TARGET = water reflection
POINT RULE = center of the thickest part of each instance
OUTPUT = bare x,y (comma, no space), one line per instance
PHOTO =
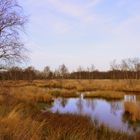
115,106
79,105
131,113
115,114
63,102
131,124
130,98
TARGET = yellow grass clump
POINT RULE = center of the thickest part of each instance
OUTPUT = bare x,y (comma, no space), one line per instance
31,93
63,93
105,94
133,108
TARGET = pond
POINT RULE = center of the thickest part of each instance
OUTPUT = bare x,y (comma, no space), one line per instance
114,114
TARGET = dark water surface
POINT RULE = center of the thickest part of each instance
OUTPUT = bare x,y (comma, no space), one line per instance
110,113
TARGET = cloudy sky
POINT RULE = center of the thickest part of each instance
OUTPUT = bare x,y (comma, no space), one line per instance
81,32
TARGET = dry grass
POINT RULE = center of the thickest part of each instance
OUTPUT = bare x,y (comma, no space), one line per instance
75,127
30,93
37,94
133,109
105,95
63,93
65,84
21,119
16,119
14,126
82,85
91,85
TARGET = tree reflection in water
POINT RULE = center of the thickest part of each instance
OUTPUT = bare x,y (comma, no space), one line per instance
127,118
90,103
115,106
115,114
63,102
79,105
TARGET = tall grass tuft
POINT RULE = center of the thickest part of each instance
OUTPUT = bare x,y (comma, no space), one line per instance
133,109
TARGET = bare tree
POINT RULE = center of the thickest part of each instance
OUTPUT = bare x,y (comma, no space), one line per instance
92,69
130,67
12,22
114,67
136,66
47,72
89,71
30,73
63,71
125,68
79,70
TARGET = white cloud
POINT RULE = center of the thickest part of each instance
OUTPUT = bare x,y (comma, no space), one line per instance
74,9
61,16
93,3
67,8
80,11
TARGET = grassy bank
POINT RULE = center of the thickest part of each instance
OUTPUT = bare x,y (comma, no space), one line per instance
109,95
91,85
62,93
82,85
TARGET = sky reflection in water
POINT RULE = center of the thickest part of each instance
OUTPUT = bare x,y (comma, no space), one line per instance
108,112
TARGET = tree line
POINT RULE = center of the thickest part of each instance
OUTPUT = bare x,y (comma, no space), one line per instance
126,69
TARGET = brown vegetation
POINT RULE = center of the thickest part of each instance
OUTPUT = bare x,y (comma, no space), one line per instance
30,93
91,85
63,93
23,120
109,95
79,85
133,110
21,116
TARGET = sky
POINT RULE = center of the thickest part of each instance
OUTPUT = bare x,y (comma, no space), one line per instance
81,32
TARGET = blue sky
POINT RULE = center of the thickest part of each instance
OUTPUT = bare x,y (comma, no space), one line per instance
81,32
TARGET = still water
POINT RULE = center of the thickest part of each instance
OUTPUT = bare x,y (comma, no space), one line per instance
110,113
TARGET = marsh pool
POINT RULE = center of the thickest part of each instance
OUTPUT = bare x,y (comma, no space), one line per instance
110,113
